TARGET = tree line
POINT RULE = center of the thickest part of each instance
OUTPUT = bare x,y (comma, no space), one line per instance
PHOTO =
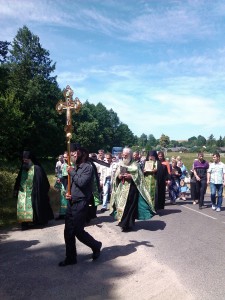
28,95
193,144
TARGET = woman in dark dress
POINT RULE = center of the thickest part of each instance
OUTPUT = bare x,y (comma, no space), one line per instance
156,180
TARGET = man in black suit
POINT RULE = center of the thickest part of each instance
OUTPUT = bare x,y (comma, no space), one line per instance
77,208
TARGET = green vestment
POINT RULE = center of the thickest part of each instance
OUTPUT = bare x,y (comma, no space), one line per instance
120,191
150,179
63,201
24,203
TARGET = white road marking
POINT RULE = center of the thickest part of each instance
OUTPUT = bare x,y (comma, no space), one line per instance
199,212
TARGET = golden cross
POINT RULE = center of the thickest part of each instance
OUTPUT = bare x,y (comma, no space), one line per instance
69,106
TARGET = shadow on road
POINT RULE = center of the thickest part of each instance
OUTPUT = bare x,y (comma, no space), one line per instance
165,212
151,225
112,252
32,267
101,219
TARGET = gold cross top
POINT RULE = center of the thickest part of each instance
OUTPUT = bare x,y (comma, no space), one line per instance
69,105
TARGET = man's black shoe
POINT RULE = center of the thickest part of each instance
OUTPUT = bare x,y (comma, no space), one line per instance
67,262
96,253
104,209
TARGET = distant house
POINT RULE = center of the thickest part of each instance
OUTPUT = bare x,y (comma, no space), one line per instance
182,141
221,149
178,149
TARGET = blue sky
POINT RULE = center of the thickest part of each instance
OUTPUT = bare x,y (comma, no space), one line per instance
159,64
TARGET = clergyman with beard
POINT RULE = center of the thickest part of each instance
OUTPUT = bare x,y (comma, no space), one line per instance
82,176
31,189
130,197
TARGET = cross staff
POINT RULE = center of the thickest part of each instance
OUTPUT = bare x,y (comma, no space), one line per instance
69,106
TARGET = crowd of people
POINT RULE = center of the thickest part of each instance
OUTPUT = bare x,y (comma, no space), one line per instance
130,186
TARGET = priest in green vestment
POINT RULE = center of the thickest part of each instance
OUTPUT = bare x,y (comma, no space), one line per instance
130,197
31,189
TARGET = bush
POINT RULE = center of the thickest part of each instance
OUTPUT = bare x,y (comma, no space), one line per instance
7,202
7,181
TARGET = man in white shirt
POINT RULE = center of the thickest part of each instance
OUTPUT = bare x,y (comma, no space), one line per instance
216,179
105,181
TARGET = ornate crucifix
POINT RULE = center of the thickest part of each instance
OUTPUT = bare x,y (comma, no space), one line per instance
69,106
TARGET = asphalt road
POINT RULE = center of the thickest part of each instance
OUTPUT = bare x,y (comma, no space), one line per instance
192,243
179,254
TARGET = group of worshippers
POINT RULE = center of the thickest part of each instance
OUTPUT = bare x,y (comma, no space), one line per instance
136,193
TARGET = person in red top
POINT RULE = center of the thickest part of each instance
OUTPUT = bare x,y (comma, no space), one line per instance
166,163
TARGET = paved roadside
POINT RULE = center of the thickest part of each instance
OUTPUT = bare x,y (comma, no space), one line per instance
126,269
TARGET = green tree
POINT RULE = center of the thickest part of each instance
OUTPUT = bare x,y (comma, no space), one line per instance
88,135
220,142
15,126
152,140
4,71
28,60
201,141
192,141
96,127
174,144
126,135
105,118
4,49
164,141
143,140
31,84
211,141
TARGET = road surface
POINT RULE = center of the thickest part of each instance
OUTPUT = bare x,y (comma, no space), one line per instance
179,254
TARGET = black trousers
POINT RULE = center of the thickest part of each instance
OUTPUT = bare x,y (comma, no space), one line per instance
201,187
194,194
75,219
131,208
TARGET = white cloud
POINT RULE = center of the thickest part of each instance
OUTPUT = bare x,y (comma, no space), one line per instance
36,11
174,23
159,66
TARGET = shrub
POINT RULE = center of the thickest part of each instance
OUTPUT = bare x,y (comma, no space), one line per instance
7,181
7,202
